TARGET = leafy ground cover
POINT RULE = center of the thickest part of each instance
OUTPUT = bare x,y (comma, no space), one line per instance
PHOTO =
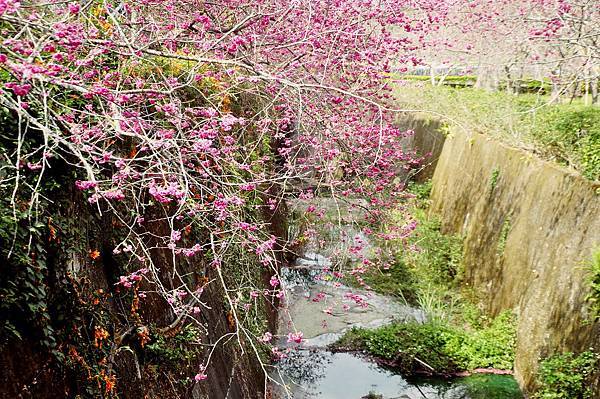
566,375
437,347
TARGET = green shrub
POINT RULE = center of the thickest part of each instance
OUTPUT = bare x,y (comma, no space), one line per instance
571,134
438,255
421,191
566,375
494,345
400,344
435,262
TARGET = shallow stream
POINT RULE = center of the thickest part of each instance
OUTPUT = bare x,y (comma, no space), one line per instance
323,310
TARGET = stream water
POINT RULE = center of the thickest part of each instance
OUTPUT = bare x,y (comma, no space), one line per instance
323,310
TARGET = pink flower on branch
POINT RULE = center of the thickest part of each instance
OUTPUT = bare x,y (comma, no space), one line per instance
296,337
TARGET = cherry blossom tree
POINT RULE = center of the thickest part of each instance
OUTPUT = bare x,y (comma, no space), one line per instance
188,120
510,40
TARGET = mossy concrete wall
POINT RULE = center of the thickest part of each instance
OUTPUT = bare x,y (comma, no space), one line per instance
530,227
426,140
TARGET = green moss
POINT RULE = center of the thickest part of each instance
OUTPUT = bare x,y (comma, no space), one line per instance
593,297
494,179
506,226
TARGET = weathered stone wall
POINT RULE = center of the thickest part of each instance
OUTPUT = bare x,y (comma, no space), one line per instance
529,227
426,140
73,280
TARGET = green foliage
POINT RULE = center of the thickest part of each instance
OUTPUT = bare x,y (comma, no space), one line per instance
421,191
25,293
413,274
438,256
23,249
440,345
182,347
566,375
571,134
451,80
506,226
493,345
594,282
457,336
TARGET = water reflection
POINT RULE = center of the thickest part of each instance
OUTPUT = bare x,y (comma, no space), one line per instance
325,375
312,374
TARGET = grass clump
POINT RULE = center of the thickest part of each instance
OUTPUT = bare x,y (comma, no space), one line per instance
566,375
430,261
437,348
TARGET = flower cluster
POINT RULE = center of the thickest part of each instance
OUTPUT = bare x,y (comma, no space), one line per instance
129,280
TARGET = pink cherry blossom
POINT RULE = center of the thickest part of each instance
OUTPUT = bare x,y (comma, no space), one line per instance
296,337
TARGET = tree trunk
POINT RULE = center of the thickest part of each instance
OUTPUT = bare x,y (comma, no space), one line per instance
594,82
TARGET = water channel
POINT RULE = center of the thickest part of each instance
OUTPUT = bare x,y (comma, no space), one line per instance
323,309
